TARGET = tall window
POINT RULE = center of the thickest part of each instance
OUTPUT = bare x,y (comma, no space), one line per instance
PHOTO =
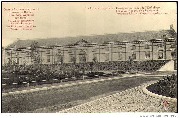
146,46
48,58
106,56
70,51
9,61
48,51
94,58
119,47
160,54
119,56
147,54
107,48
27,53
94,50
82,56
172,45
72,58
160,45
133,47
60,58
8,53
59,51
17,53
17,60
134,55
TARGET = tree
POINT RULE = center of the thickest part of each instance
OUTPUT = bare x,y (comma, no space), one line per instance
94,60
35,55
73,59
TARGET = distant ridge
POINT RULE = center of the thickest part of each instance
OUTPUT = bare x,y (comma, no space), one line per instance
147,35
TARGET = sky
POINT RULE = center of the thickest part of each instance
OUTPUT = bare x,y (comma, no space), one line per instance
64,19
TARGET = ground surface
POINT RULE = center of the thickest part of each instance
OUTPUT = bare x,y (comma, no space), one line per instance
55,100
132,100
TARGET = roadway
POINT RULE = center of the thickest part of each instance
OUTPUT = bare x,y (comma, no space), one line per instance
69,94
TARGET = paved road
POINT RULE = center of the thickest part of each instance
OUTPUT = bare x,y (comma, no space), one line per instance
130,100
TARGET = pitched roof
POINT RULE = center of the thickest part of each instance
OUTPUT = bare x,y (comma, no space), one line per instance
147,35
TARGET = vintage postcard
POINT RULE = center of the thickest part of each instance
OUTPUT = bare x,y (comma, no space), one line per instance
89,57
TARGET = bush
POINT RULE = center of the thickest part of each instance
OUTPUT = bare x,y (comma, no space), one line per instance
166,87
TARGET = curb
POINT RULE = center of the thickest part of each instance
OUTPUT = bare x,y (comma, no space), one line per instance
71,84
141,87
146,91
59,86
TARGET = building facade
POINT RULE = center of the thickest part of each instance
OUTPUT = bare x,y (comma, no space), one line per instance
83,52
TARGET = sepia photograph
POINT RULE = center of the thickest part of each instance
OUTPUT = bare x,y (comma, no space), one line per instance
89,57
